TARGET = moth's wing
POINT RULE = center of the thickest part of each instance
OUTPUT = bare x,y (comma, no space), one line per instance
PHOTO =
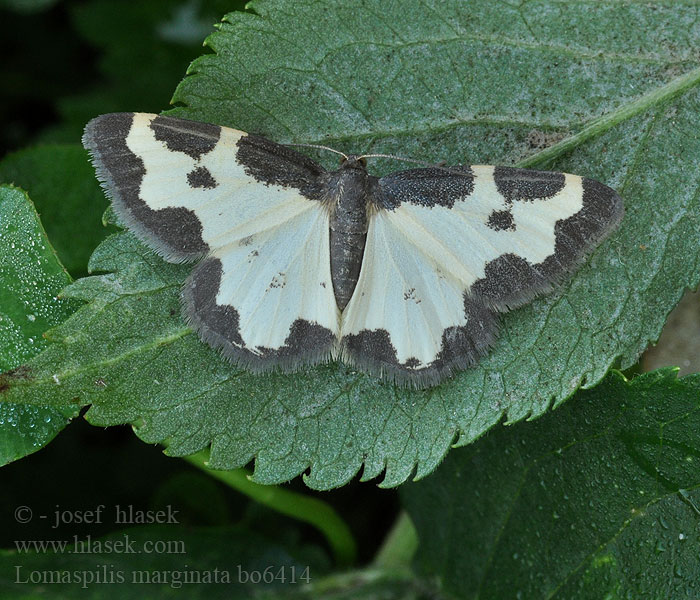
408,320
510,233
179,185
266,299
263,294
453,246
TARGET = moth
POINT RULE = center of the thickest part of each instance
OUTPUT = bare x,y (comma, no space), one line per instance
400,276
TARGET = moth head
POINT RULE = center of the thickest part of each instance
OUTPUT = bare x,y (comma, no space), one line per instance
353,161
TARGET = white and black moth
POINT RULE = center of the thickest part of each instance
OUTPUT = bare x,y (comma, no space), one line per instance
400,276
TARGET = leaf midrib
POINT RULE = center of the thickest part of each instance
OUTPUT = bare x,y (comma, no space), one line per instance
595,127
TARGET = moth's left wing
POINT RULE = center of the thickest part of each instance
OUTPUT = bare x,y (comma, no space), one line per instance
254,209
447,247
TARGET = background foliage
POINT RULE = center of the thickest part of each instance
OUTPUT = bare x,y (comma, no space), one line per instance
608,90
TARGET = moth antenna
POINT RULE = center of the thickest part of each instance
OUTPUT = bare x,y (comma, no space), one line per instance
395,157
318,146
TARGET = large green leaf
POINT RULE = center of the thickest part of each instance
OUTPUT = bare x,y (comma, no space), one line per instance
478,82
30,278
597,500
67,196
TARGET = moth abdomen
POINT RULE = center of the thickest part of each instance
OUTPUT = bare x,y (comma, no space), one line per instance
348,229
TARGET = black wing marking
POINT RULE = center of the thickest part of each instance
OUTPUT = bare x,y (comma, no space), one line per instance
434,186
511,280
126,148
174,232
494,197
274,164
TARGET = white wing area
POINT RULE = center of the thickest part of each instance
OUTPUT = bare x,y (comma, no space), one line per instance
420,260
459,239
277,275
237,198
273,244
403,291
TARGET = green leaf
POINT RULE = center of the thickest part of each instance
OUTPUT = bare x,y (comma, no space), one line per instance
62,184
31,277
478,82
597,500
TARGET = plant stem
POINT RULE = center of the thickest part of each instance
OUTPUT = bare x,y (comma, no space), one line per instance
341,582
399,545
313,511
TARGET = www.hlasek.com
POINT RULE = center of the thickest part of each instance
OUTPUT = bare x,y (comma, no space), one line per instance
88,545
175,578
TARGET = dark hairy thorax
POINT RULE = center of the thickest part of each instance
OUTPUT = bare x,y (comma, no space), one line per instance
349,191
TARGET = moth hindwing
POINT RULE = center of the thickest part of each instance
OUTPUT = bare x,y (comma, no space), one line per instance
401,276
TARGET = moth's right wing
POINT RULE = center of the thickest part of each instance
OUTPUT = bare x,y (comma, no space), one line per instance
253,208
449,247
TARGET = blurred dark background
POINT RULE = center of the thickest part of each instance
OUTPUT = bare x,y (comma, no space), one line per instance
65,61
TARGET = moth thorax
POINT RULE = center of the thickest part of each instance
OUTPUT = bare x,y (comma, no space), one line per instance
348,231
